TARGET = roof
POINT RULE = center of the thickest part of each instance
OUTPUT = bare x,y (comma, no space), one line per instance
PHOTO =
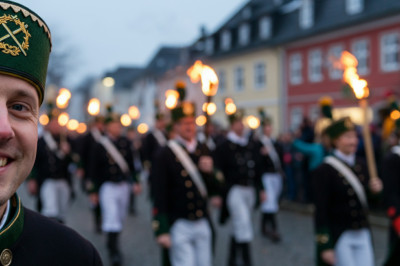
328,16
166,58
124,76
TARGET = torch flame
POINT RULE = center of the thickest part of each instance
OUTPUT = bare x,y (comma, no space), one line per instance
360,86
207,75
94,106
171,99
230,107
63,98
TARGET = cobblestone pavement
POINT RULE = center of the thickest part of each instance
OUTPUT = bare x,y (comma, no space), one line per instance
139,248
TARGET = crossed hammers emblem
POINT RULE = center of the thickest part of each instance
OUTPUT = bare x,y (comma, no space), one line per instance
12,35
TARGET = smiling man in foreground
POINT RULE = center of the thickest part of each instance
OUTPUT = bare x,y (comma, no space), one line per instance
27,238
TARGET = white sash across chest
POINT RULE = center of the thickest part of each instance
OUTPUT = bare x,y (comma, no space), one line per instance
349,175
189,166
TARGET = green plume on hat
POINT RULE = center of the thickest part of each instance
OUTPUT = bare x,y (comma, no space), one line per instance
325,104
183,108
25,45
264,119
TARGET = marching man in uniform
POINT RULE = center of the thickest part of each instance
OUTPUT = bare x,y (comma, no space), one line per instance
391,180
238,159
184,179
271,168
50,170
112,172
342,188
87,142
153,141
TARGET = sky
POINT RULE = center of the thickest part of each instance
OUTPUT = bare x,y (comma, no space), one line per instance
102,35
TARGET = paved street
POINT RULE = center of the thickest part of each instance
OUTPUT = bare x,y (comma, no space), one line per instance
140,249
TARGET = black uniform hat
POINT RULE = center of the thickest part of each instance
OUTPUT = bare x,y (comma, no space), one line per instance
111,116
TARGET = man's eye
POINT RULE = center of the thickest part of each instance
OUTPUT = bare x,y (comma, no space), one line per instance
18,107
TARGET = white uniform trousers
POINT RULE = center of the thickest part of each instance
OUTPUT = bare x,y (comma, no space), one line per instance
114,200
191,243
240,203
55,195
354,248
273,187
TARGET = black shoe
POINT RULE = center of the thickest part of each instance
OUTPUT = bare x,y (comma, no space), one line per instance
116,259
276,237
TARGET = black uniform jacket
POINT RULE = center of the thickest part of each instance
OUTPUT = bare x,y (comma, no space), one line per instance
240,165
175,194
29,238
266,163
391,186
337,206
49,165
150,147
103,167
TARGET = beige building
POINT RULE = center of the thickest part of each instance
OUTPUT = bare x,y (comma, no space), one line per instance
253,81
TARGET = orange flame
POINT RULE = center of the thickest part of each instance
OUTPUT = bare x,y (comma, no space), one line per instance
94,106
230,107
349,64
207,75
171,99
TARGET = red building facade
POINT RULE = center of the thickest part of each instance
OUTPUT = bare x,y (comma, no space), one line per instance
310,72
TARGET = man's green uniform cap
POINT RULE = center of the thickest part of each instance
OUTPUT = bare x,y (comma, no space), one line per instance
25,45
339,127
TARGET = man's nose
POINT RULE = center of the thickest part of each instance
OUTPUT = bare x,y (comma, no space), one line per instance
6,131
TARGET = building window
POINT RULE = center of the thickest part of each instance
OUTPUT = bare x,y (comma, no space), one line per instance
334,54
260,76
226,39
239,79
390,52
265,28
209,45
296,117
246,13
295,67
314,113
360,49
244,34
354,6
315,65
307,14
221,81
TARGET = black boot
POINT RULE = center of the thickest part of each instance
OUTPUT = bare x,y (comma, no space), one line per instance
232,259
245,250
275,236
112,246
97,218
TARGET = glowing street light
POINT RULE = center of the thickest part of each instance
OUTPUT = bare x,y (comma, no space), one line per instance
108,82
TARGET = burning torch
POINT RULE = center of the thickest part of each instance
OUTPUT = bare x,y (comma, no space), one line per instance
209,85
361,91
